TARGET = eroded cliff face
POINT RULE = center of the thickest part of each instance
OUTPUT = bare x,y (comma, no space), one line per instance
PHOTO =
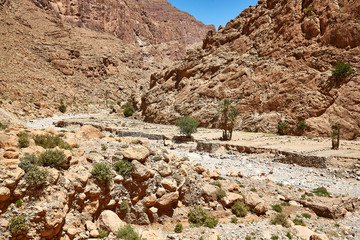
275,62
159,28
88,55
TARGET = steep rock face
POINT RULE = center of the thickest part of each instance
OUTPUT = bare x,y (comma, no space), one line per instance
274,61
156,26
89,55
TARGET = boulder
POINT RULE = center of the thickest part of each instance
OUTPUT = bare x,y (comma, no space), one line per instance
149,201
209,192
318,237
110,221
253,199
303,232
230,199
88,131
11,155
4,193
151,234
260,208
140,172
8,141
139,153
168,199
169,183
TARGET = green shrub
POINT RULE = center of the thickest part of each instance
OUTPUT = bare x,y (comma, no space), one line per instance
274,237
277,208
123,167
301,125
23,140
129,109
280,219
298,221
282,128
253,189
103,233
50,141
178,228
18,203
240,209
341,70
19,224
52,158
28,161
285,204
234,220
128,233
211,222
102,172
288,235
62,108
308,10
321,192
36,177
187,125
125,206
2,126
306,215
221,194
216,183
103,147
197,215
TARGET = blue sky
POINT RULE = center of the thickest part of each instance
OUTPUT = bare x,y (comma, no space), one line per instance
217,12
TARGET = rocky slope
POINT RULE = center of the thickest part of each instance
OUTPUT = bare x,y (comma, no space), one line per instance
153,189
275,62
53,53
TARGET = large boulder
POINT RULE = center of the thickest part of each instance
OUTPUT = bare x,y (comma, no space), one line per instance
169,183
253,199
303,232
139,153
8,141
4,193
110,221
140,172
230,199
151,234
168,199
88,131
209,192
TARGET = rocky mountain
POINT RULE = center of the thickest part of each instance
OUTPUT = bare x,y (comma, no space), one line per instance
87,55
275,62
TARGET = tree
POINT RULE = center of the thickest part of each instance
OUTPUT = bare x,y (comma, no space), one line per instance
341,70
228,115
187,125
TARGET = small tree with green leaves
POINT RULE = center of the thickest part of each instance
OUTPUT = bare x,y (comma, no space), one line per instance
342,70
227,118
129,109
187,125
24,140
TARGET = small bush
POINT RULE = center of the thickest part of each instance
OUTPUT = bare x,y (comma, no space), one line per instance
211,222
239,209
301,125
288,235
125,206
52,158
36,177
221,194
282,128
62,108
277,208
18,203
123,167
178,228
23,140
187,125
216,183
341,70
129,109
280,219
28,161
128,233
321,192
285,204
306,215
103,233
50,141
101,172
103,147
19,224
197,216
274,237
253,189
298,221
2,126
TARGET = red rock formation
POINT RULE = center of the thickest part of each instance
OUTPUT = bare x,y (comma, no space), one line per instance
156,25
274,61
